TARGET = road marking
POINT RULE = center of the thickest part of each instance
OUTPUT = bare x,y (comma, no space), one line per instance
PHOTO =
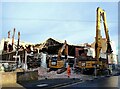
63,86
42,85
68,85
90,79
59,85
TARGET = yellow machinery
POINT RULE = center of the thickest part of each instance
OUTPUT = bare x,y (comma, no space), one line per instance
97,62
101,13
59,61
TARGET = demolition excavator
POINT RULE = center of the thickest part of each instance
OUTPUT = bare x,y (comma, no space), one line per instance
58,61
101,64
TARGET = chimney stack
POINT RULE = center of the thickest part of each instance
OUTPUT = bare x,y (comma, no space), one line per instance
18,39
13,37
8,34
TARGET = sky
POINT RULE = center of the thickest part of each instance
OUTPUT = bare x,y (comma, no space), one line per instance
71,21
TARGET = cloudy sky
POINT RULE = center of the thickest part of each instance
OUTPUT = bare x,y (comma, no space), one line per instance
71,21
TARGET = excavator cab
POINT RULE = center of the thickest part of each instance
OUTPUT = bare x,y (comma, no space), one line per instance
55,63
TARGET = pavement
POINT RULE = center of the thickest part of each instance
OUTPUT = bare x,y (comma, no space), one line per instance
12,85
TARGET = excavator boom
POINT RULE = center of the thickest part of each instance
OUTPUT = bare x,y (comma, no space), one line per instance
64,47
98,46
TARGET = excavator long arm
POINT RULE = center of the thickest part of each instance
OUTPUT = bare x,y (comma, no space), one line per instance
64,47
109,49
98,46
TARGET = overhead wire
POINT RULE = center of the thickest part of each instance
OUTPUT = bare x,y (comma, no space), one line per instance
56,20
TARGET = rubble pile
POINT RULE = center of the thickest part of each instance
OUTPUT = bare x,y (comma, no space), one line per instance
42,72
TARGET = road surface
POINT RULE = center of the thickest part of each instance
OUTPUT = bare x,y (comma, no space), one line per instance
112,82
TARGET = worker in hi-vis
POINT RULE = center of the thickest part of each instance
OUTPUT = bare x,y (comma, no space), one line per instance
68,71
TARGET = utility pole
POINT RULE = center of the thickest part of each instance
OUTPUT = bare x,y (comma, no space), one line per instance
18,62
